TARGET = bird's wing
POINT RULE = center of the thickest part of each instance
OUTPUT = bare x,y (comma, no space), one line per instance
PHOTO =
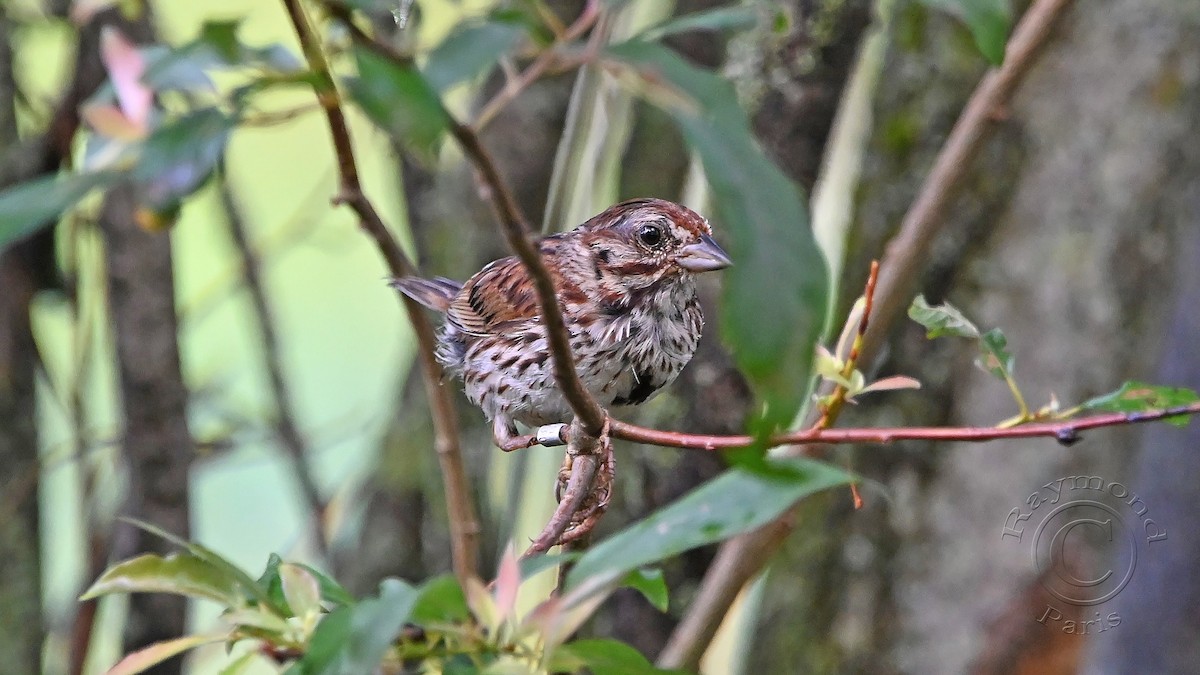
499,299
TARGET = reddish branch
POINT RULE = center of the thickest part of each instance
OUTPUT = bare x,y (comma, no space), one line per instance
464,526
1066,432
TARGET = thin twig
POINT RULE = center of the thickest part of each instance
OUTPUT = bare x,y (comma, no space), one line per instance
290,437
906,253
464,524
831,410
539,66
516,232
740,559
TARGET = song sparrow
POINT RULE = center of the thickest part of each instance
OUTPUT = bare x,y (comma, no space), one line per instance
625,285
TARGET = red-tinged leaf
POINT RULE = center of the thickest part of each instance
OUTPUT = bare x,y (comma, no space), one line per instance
108,121
125,67
508,583
144,659
891,384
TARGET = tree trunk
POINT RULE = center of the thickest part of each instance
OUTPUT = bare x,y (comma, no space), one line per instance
156,443
21,629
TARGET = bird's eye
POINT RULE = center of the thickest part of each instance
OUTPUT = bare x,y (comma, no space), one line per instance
650,235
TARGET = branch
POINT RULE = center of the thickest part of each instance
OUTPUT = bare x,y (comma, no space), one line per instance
906,253
512,88
289,431
516,232
1066,433
583,456
464,525
833,408
740,559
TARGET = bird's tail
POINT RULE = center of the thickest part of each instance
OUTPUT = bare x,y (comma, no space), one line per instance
435,293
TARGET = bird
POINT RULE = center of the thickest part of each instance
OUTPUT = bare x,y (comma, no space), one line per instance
625,283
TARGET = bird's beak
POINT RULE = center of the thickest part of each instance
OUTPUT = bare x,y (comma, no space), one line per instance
703,256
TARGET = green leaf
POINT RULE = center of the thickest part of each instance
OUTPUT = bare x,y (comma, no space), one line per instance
946,320
144,659
941,320
178,69
736,17
179,573
186,67
359,637
603,657
531,567
995,357
650,583
988,20
399,100
326,644
271,584
737,501
469,51
331,591
774,296
1135,397
222,35
180,156
244,581
28,207
440,600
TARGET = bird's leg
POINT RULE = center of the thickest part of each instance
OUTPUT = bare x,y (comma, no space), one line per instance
504,434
